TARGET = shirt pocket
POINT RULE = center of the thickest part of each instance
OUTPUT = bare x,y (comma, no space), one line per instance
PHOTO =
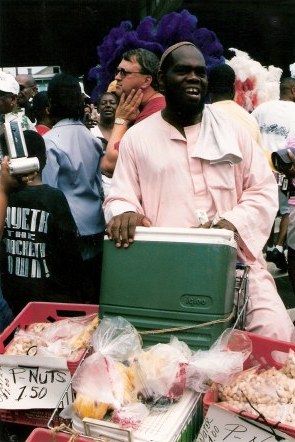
220,176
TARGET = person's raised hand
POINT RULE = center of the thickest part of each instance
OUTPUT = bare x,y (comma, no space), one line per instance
7,182
121,228
128,107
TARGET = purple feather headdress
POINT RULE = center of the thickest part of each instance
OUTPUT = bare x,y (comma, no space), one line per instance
156,37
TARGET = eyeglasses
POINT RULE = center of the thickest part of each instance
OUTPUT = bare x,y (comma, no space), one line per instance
123,73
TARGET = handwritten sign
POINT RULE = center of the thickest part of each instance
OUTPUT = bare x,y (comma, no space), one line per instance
221,425
32,382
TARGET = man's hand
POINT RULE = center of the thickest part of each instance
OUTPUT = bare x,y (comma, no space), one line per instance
121,228
128,108
224,224
7,182
219,224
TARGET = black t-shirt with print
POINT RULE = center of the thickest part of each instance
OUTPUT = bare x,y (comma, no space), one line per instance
42,258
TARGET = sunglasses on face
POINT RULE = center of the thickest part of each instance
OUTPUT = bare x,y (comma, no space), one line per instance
123,73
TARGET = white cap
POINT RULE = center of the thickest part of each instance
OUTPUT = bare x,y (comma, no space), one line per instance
8,83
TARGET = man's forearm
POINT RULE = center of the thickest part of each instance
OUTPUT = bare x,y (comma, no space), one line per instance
3,207
109,160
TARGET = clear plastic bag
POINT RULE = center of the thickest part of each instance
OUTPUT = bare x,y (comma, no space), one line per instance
130,416
103,383
76,331
160,372
24,343
102,379
220,363
116,338
68,337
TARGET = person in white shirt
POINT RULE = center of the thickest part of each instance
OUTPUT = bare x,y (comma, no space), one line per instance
276,119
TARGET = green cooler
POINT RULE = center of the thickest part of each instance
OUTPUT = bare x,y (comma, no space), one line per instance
171,278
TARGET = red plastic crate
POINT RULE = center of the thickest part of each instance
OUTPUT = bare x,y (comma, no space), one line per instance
35,417
263,355
40,312
42,435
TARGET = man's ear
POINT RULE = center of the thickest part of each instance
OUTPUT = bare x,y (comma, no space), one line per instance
147,82
14,100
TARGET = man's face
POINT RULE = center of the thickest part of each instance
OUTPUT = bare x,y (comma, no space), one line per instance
185,82
129,77
7,102
26,90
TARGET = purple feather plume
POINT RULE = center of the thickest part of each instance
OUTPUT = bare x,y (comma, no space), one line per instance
156,37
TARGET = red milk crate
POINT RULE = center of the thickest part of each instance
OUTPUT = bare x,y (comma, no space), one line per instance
263,354
40,312
43,435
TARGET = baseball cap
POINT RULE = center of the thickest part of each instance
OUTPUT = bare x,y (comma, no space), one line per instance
8,83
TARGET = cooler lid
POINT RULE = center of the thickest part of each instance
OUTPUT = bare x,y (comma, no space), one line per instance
186,235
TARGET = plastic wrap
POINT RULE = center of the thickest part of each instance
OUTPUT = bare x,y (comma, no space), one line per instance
116,338
220,363
160,372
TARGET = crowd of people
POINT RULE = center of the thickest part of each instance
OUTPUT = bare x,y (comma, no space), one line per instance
165,140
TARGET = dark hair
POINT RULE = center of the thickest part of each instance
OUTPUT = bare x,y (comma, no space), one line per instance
36,146
65,97
115,96
221,79
148,61
286,83
39,103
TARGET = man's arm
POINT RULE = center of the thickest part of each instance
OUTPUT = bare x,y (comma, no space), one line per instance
257,195
7,184
51,169
122,207
3,197
127,111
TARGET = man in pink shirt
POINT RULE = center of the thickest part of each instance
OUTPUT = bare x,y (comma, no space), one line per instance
190,157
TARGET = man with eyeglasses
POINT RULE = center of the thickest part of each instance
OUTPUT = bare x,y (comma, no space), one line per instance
137,87
27,89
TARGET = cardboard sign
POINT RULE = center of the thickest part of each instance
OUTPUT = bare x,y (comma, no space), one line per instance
32,382
221,425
